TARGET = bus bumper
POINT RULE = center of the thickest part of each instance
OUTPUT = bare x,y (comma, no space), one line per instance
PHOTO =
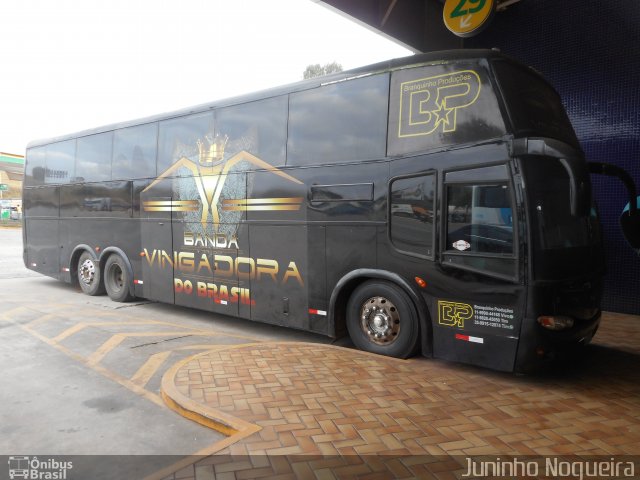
540,347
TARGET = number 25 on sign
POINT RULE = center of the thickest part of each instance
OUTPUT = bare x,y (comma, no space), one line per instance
466,18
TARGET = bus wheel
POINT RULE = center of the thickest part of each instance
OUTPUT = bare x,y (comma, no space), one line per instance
381,319
116,279
89,275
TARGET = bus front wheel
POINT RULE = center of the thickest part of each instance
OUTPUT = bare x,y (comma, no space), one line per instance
89,275
381,319
116,279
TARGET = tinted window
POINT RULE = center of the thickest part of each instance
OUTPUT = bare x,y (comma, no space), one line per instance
178,139
440,105
35,166
93,158
339,122
259,128
549,191
60,162
134,152
535,108
41,202
479,219
412,213
109,199
563,243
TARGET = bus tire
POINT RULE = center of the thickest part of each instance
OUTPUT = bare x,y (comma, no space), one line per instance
89,275
116,279
382,319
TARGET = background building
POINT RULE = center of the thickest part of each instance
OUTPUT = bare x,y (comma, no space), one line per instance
11,174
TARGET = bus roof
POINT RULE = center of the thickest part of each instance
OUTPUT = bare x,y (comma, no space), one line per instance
446,56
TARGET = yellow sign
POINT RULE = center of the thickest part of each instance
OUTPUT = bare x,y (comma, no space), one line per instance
466,18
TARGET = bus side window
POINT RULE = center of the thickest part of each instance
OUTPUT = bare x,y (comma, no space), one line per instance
60,162
134,152
35,166
93,158
339,122
412,201
178,139
259,128
479,218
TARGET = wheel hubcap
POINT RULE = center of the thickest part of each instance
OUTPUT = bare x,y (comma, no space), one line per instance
87,272
379,320
117,277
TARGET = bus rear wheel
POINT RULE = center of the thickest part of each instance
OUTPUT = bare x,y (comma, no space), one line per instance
381,319
89,275
116,279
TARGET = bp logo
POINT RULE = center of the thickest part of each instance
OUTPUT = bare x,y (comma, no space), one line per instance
431,105
454,314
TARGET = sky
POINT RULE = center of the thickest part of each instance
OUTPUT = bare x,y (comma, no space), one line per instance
70,65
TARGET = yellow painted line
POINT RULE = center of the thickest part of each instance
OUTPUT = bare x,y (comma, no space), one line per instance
43,319
149,368
125,382
236,428
82,325
203,414
7,315
155,361
118,338
105,348
70,331
240,428
210,347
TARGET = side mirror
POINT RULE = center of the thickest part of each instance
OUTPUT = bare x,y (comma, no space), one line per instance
630,224
580,190
630,218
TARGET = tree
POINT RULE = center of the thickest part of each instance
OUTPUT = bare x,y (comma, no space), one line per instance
318,70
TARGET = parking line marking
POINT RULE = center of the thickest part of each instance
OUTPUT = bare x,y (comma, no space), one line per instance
44,318
105,348
6,315
149,368
242,429
82,325
155,361
125,382
117,339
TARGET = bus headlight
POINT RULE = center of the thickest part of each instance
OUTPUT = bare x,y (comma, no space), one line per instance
555,322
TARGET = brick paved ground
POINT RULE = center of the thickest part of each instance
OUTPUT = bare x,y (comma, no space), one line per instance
354,415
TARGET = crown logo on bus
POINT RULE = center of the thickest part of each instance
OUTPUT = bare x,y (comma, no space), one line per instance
212,152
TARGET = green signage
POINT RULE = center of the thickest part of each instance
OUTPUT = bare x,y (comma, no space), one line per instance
466,18
4,187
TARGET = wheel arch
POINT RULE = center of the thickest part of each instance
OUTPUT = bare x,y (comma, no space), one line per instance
349,282
107,252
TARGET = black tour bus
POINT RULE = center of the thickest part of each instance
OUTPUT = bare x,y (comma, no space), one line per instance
438,203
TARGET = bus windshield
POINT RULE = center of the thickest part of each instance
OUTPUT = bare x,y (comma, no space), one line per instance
561,239
534,107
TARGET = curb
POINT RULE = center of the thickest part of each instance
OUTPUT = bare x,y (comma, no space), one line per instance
234,428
